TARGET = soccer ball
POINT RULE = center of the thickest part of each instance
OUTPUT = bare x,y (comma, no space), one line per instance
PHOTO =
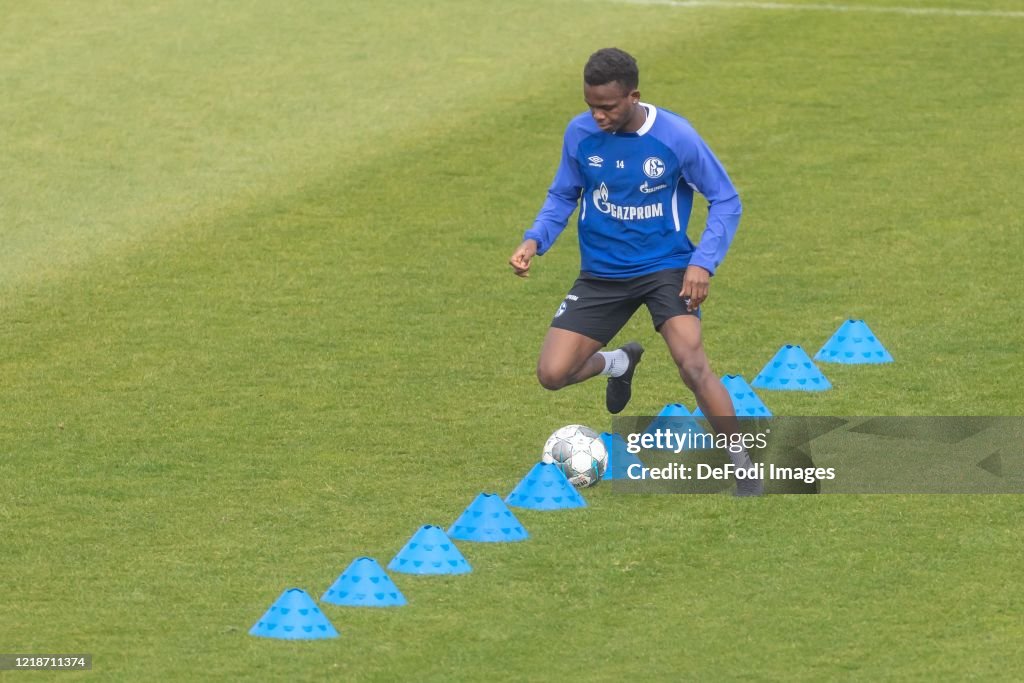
579,453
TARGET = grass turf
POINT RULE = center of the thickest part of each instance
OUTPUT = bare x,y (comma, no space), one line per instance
256,322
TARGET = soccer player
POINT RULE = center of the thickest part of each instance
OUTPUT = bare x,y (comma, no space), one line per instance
632,169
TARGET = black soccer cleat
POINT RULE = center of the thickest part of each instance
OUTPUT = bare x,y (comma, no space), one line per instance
620,389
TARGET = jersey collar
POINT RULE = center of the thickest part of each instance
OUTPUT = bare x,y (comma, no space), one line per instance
652,113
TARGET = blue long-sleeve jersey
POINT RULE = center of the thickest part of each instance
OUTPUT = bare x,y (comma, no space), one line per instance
635,193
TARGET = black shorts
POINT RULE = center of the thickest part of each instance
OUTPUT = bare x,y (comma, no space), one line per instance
599,307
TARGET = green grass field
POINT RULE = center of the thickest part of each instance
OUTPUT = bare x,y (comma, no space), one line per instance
256,321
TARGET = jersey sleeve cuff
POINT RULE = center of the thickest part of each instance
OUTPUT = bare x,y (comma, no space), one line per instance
703,263
532,234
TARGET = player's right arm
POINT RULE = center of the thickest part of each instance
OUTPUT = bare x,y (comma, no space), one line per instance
561,201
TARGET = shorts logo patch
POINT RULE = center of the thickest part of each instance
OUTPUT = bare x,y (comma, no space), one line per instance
561,309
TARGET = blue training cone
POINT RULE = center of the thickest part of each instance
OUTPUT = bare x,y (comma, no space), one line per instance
853,342
488,519
364,584
745,402
294,616
619,459
430,551
675,418
545,487
791,370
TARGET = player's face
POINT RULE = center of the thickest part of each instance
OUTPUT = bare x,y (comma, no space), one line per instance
611,105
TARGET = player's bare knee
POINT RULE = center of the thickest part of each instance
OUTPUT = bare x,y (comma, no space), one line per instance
550,379
692,373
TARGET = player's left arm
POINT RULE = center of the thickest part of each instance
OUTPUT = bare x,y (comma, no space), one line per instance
705,173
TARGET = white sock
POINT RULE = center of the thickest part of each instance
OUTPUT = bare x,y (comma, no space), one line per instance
615,362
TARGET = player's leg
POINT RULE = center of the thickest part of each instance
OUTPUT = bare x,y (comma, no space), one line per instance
588,318
567,358
681,330
682,334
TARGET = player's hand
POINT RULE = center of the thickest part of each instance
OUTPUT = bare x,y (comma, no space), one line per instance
522,256
696,281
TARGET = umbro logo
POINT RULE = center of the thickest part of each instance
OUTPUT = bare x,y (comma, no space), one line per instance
595,161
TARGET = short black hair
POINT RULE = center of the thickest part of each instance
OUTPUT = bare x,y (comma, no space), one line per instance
611,64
